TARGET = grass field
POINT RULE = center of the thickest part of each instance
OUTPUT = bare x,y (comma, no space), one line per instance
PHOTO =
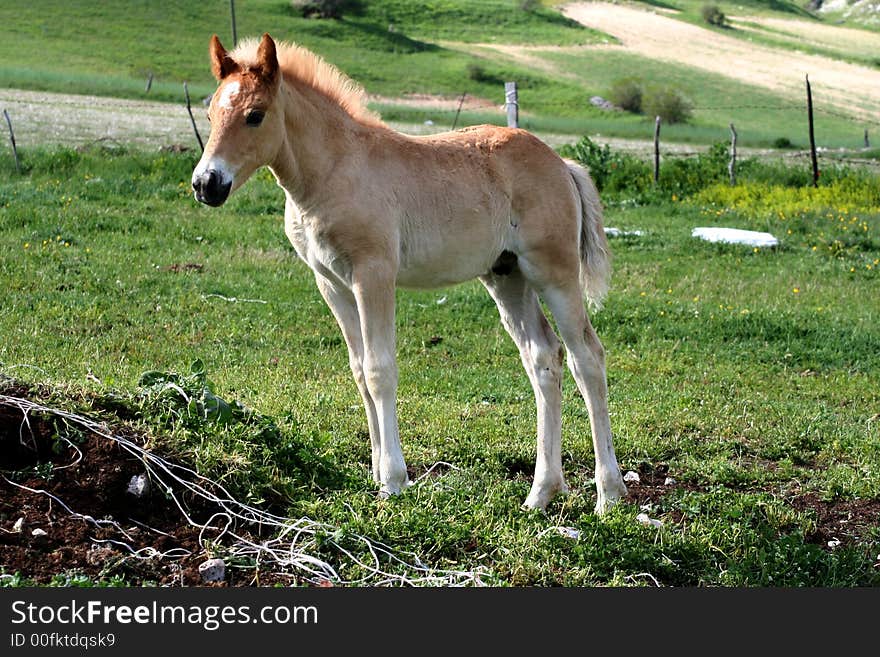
749,377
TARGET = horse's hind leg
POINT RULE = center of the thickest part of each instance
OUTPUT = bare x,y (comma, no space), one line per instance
541,354
344,308
586,360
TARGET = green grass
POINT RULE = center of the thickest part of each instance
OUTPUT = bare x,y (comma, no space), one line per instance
111,48
749,393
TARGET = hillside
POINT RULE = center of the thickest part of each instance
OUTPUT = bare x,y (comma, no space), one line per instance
416,59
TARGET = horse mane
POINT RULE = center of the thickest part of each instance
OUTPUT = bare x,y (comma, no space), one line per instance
310,69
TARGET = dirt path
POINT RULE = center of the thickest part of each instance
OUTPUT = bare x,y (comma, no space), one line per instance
847,87
41,117
44,118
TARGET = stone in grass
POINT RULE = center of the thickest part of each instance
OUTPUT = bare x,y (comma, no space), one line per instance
735,236
644,519
139,486
631,476
669,481
212,570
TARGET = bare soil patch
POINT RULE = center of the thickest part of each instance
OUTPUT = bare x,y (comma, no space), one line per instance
41,117
105,530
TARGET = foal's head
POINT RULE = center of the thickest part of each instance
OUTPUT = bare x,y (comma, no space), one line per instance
246,121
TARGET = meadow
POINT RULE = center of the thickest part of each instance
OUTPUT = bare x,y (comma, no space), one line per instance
748,376
744,385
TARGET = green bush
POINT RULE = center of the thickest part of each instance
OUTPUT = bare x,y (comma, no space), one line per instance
713,15
782,142
688,175
327,8
613,172
627,94
668,104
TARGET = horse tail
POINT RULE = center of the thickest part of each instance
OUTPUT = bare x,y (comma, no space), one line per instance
595,269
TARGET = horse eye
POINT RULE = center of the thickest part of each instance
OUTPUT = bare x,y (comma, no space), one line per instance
254,118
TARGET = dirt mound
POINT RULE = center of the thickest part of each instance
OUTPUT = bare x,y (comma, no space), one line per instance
66,508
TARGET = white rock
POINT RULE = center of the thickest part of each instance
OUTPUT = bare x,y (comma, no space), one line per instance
19,524
631,476
616,232
139,485
569,532
735,236
833,543
38,532
646,520
212,570
669,481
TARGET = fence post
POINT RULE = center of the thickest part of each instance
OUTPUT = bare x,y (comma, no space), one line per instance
512,103
149,83
812,136
458,111
656,150
12,139
232,16
731,166
867,143
192,120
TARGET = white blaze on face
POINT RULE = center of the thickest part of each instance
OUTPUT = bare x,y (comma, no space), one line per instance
230,91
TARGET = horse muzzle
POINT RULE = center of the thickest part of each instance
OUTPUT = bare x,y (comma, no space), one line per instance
210,188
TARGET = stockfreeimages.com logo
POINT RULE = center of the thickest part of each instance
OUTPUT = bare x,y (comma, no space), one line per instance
209,617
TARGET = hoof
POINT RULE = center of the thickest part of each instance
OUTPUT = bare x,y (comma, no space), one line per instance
388,491
542,494
609,495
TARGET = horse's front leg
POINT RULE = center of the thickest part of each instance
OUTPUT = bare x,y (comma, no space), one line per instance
342,304
373,286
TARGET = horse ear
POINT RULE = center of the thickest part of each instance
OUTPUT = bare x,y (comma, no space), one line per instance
267,59
221,63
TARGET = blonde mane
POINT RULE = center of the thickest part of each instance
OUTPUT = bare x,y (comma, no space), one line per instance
308,68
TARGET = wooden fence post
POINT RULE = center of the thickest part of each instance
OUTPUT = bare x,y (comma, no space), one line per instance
812,136
232,16
192,120
867,143
149,83
458,111
657,150
12,139
731,166
512,104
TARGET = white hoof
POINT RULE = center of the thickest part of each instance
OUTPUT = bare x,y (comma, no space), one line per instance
387,491
609,495
543,493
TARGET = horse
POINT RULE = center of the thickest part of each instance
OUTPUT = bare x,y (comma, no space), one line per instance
370,209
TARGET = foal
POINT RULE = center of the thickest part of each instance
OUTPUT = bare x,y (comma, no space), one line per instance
369,209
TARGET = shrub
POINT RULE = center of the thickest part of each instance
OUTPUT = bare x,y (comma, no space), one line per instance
613,172
713,15
627,93
327,8
668,104
782,142
478,73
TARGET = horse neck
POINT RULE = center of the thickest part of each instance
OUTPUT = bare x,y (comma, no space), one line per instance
320,134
